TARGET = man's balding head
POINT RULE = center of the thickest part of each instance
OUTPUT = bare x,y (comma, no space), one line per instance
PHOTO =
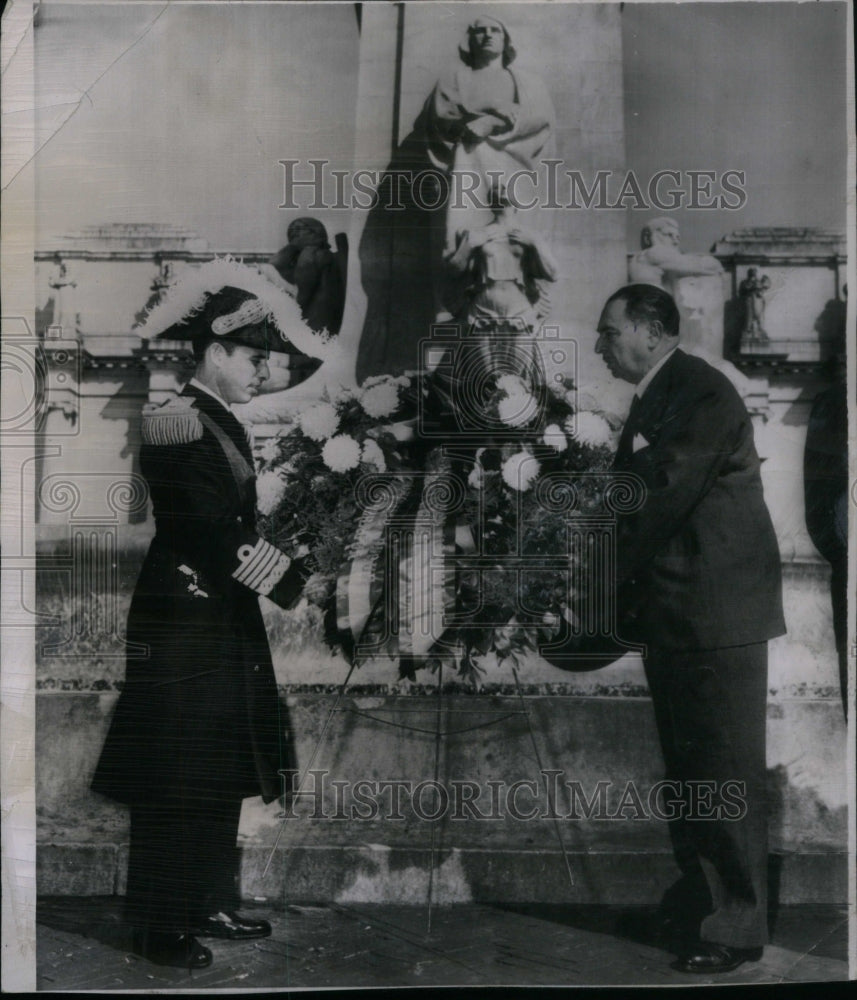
639,325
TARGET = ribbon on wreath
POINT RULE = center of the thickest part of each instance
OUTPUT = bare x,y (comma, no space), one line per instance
394,594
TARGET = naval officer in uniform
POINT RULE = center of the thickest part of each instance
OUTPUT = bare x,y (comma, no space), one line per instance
199,725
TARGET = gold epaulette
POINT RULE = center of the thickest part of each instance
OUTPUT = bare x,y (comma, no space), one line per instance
174,422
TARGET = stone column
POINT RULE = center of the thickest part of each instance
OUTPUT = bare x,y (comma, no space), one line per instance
377,88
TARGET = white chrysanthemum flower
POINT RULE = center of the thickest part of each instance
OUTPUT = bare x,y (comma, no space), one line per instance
516,410
380,400
512,385
372,455
319,422
270,450
270,487
590,429
341,453
554,438
520,470
402,431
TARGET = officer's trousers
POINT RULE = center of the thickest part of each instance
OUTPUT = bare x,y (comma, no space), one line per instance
183,863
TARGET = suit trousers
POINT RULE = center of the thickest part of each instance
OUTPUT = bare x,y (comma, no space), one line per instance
183,863
710,709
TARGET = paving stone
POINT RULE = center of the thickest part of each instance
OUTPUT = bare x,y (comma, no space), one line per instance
82,945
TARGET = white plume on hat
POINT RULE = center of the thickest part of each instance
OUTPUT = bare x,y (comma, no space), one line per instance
187,294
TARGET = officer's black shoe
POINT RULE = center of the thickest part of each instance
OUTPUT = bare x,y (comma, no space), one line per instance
233,927
708,958
180,950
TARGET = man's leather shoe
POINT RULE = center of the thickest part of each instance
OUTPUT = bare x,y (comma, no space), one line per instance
707,958
180,950
233,927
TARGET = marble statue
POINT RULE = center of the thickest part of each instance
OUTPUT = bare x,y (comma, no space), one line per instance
501,271
482,120
661,260
752,292
308,263
485,118
503,267
64,314
163,278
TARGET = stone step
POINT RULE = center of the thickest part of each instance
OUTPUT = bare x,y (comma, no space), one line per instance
375,873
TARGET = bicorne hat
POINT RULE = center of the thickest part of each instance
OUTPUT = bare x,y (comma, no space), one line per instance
225,300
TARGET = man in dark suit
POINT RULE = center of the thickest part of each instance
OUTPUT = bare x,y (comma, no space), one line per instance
199,725
698,581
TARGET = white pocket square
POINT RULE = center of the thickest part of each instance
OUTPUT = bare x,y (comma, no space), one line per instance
638,443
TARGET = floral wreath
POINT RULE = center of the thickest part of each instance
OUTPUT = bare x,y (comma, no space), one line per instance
309,484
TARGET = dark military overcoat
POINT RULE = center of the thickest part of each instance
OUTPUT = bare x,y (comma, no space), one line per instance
199,713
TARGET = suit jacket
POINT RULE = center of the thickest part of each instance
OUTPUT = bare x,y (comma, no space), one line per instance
825,474
698,565
200,712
